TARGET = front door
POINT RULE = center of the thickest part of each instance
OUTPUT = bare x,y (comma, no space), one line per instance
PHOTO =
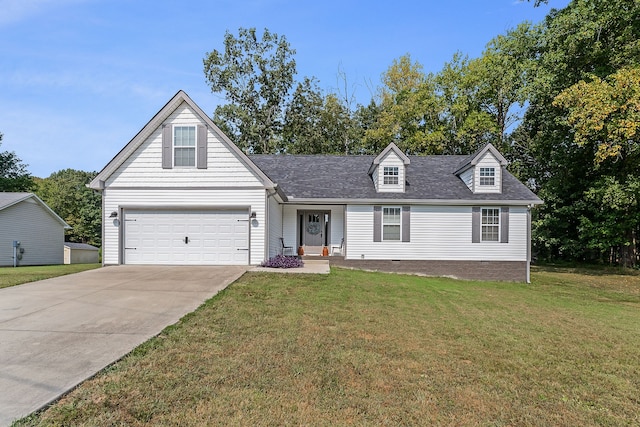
315,228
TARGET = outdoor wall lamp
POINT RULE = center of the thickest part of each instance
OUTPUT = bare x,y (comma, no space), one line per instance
254,215
114,214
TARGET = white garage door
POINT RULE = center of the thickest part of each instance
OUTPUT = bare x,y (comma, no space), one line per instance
181,237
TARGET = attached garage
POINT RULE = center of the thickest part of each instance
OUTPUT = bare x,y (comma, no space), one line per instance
185,237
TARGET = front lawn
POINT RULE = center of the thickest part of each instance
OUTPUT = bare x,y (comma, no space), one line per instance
10,276
360,348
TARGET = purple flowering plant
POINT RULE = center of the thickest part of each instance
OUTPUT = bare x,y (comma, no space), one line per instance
280,261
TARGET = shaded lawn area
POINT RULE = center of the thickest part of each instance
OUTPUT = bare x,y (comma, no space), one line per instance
10,276
383,349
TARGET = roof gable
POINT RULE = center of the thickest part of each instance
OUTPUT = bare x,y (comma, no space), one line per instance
380,157
473,159
9,199
174,103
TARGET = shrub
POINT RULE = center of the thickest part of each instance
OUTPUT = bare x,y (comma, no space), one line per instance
280,261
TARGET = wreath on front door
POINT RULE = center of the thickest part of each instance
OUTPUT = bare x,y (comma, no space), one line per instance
314,228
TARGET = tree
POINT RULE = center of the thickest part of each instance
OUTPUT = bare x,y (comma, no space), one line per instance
66,193
467,126
337,126
13,173
604,115
585,40
410,111
365,118
502,75
256,77
302,133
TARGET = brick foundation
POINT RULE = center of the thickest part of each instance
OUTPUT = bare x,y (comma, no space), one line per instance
509,271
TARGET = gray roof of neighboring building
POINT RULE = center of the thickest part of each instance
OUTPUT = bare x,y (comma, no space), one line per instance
84,246
8,199
346,177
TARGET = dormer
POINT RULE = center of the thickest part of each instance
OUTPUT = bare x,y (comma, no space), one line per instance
389,170
482,171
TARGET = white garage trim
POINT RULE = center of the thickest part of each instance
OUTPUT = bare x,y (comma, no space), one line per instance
185,235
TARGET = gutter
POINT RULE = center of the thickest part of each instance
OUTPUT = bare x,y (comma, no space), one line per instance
436,202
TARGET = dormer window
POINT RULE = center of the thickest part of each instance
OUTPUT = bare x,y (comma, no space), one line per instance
390,175
487,176
388,171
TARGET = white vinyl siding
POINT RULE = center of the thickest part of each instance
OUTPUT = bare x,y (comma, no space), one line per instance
40,234
275,229
143,168
390,162
115,199
467,178
437,233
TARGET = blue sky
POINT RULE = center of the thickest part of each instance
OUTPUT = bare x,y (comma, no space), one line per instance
79,78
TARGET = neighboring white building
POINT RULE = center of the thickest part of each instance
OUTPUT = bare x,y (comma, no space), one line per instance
26,219
180,192
80,253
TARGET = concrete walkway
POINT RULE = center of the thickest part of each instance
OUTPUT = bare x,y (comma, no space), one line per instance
56,333
311,266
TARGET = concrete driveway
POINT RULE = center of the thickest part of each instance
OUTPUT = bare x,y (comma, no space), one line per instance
56,333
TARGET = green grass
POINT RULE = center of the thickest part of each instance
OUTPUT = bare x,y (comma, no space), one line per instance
360,348
10,276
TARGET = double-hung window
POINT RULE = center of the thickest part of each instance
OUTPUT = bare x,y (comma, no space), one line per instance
391,221
490,225
184,146
487,176
390,175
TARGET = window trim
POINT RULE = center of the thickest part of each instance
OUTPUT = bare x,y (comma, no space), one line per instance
487,173
390,173
399,224
498,225
195,146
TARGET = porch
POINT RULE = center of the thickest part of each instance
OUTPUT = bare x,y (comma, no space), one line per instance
312,228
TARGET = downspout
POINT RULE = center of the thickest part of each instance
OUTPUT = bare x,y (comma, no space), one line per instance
528,274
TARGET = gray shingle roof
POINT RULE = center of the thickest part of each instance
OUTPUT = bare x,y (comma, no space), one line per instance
8,199
345,177
84,246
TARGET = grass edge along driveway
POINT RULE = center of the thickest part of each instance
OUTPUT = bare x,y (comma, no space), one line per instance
10,276
367,348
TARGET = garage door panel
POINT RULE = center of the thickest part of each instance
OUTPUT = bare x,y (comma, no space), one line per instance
215,237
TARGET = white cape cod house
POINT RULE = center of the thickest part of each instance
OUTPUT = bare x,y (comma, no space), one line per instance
180,192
